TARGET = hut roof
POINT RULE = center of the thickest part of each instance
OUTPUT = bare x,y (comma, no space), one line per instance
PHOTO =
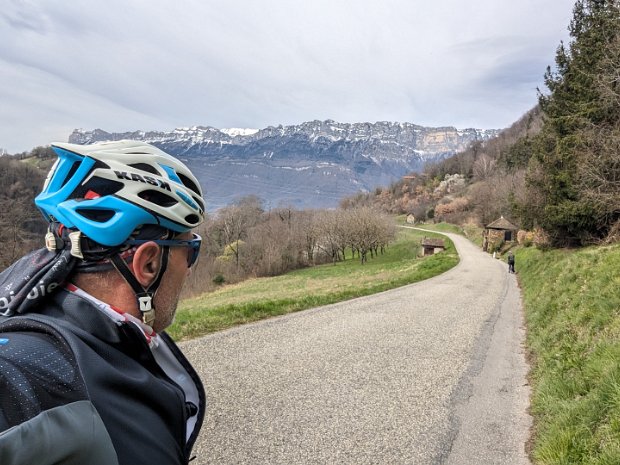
502,223
432,242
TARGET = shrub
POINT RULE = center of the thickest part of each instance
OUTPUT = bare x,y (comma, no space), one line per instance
525,238
495,245
541,238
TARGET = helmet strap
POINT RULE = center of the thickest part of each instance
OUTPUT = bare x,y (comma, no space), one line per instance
144,296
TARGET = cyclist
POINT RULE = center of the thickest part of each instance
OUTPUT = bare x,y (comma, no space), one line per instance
87,372
511,262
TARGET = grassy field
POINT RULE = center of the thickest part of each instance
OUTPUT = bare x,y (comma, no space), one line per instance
320,285
470,231
572,304
441,227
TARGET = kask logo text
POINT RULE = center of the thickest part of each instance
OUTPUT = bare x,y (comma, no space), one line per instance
143,179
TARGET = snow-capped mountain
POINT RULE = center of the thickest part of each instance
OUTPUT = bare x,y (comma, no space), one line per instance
313,164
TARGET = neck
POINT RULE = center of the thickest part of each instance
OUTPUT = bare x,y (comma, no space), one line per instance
109,288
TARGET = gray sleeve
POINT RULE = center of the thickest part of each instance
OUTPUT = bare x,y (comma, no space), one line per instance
71,434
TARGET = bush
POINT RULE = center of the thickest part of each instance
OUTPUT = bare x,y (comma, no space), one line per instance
525,238
495,246
541,239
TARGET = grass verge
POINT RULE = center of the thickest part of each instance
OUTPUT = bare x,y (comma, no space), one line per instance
260,298
572,309
441,227
470,231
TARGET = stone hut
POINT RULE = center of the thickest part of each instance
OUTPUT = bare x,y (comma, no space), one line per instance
500,230
432,245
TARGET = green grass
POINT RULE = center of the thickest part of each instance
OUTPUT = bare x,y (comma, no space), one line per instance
260,298
441,227
35,162
470,231
32,161
572,304
473,233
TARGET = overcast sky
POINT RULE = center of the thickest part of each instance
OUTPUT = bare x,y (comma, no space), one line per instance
123,65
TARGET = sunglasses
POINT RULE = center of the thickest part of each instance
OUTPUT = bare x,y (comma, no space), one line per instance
193,246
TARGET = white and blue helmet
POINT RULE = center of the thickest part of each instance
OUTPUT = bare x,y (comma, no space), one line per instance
107,190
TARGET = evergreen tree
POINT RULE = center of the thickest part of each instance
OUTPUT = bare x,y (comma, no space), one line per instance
575,111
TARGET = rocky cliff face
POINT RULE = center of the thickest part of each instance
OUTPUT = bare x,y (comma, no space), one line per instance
310,165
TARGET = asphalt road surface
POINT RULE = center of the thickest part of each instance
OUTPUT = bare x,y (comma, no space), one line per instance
430,373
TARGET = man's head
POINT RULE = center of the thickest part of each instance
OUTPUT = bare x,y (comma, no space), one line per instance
128,205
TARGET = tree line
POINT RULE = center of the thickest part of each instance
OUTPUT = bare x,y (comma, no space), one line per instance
574,172
245,240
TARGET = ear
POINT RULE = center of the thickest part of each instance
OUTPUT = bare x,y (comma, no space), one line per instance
146,263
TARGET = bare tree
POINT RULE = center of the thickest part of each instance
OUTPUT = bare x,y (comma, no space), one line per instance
308,231
484,166
234,222
329,224
599,173
15,238
370,231
490,199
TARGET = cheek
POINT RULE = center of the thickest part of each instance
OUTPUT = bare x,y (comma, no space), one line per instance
180,266
179,258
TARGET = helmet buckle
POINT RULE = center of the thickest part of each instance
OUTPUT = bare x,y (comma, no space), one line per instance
76,248
50,242
147,310
145,303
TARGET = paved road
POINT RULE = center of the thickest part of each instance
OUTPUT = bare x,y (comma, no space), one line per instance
431,373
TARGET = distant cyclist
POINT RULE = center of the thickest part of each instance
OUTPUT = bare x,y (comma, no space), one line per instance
511,262
87,373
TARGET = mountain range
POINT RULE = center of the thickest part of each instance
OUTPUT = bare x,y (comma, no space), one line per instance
311,165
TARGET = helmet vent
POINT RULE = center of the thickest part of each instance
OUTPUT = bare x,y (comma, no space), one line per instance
192,219
187,182
158,198
146,167
99,185
200,203
72,170
99,164
100,216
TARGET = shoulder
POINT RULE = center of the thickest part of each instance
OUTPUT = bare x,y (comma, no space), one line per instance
38,371
70,434
35,343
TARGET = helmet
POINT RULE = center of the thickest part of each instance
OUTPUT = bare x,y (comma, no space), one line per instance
107,190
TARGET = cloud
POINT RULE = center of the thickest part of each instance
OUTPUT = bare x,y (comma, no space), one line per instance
44,108
159,64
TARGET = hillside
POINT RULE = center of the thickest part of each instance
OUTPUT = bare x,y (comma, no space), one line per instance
22,227
476,185
571,303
